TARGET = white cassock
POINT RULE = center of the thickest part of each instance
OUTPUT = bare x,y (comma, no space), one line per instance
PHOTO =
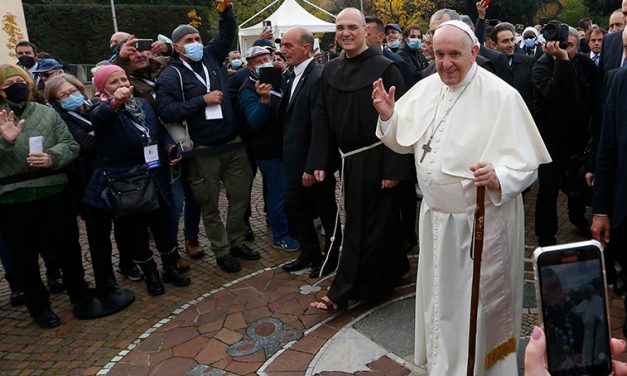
489,122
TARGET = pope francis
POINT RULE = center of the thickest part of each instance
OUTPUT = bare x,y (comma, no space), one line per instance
467,128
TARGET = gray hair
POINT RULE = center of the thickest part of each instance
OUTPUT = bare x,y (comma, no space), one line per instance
572,31
453,15
466,19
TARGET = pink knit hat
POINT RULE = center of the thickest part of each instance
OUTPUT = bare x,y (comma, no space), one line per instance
100,78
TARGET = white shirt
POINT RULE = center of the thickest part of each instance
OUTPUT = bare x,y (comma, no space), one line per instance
298,72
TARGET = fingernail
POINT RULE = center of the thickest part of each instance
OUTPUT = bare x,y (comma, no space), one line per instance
536,333
623,342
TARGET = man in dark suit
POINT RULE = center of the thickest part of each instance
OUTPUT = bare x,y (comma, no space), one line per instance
375,35
563,82
609,204
612,52
305,196
520,65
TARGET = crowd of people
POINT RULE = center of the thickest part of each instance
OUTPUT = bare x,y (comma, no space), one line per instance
397,113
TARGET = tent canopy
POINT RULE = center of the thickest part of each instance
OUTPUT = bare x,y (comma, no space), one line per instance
288,15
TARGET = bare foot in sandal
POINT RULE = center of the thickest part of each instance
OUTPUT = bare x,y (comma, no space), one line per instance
324,304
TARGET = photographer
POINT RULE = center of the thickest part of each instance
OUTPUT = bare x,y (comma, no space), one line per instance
562,82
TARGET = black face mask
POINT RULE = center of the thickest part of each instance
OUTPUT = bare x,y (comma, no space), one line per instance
26,61
17,93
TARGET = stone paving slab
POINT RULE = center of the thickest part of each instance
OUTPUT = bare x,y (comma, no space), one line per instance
89,347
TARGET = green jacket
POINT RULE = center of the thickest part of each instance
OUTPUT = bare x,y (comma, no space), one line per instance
43,121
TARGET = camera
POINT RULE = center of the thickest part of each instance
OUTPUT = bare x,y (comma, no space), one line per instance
556,31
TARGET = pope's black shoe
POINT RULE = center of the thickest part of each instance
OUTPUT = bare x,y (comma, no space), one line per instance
46,319
300,264
245,252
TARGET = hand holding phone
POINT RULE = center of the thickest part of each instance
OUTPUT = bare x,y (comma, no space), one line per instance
143,44
571,291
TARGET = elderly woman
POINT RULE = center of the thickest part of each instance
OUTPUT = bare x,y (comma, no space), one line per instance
130,140
35,145
66,94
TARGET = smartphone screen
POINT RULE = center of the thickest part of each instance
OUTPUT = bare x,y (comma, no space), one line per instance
574,311
271,75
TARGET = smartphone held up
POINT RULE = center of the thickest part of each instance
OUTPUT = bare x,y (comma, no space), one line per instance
571,292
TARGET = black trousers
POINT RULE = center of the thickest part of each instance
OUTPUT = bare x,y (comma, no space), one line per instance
52,219
133,233
302,206
552,178
616,250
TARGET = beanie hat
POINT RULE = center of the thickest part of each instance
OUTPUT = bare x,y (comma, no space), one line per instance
11,70
100,78
181,31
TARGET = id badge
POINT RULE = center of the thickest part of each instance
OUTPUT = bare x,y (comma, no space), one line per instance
151,155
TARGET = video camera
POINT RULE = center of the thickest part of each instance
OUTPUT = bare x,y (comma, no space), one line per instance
556,31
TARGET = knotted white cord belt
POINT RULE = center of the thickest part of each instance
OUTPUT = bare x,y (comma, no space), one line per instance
340,207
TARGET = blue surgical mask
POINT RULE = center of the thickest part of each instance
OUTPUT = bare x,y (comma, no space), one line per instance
530,43
73,102
264,65
414,43
194,51
394,44
236,63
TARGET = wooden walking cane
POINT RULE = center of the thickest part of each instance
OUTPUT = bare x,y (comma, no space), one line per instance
477,249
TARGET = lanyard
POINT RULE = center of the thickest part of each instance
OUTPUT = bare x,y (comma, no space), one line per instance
79,117
144,130
206,80
147,82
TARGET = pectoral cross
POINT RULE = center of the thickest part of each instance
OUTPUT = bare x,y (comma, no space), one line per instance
426,148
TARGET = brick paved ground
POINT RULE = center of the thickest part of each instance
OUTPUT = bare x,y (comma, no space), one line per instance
202,335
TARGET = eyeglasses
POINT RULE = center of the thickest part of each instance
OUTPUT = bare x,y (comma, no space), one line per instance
67,94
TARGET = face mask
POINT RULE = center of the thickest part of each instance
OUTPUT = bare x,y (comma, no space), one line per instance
17,93
394,44
72,102
236,63
264,65
26,61
530,43
414,43
194,51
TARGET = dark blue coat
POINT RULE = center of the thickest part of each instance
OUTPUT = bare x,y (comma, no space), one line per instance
171,104
120,148
610,177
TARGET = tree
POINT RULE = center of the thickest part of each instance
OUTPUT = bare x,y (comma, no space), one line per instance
14,34
572,11
402,12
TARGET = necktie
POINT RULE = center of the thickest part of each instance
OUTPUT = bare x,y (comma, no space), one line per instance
595,59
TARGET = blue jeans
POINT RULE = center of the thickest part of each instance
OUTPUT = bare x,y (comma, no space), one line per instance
274,176
181,194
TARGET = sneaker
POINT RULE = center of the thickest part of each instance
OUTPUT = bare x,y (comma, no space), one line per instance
288,244
132,272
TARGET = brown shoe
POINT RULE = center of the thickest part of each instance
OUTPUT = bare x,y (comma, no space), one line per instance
181,264
193,248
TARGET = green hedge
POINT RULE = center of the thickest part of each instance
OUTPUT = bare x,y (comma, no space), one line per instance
79,33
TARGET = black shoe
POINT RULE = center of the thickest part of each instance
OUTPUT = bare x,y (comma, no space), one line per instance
55,281
18,298
172,275
245,253
46,319
132,272
328,269
153,283
300,264
229,264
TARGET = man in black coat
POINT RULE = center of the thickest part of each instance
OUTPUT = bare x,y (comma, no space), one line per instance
609,204
375,35
612,52
520,65
306,198
563,97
